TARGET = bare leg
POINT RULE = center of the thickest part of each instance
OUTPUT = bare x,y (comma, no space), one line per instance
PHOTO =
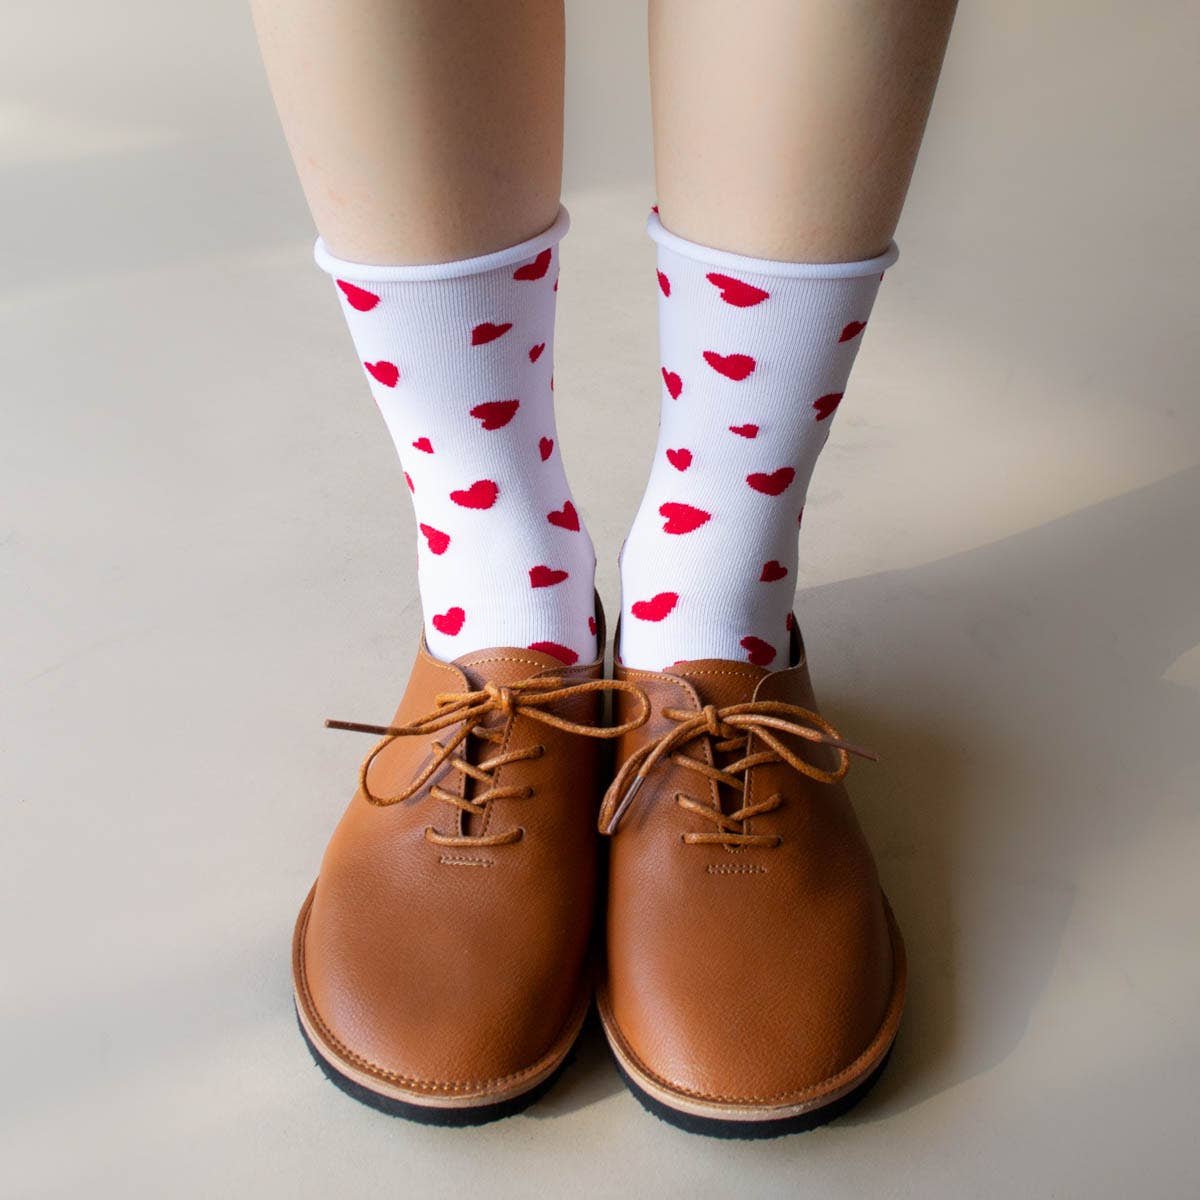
784,138
789,131
422,131
428,138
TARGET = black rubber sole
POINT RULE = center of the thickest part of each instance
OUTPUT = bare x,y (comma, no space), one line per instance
752,1130
457,1118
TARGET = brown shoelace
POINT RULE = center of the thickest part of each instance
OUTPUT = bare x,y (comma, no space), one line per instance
531,698
729,731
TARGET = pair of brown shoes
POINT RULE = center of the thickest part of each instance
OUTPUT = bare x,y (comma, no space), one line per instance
752,975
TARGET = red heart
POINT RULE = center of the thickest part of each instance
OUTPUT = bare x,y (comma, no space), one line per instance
772,571
385,372
673,382
680,459
654,208
568,518
546,448
564,654
790,623
535,352
481,494
736,292
746,431
682,518
655,609
664,283
408,480
535,269
826,405
732,366
358,298
773,484
852,330
592,626
543,576
487,332
438,541
424,444
449,622
761,653
495,414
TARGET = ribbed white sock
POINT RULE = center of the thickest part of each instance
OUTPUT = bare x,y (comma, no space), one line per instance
459,357
755,357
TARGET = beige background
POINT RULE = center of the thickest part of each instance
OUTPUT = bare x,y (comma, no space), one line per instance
206,548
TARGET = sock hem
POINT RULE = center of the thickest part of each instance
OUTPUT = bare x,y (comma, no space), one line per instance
419,272
768,266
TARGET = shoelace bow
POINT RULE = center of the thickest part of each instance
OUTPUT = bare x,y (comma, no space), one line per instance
729,731
531,698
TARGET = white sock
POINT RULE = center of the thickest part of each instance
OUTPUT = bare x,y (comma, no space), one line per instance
459,357
755,357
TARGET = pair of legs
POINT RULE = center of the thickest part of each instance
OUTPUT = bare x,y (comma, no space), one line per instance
427,132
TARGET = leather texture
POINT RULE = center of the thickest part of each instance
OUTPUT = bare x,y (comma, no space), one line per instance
754,977
440,969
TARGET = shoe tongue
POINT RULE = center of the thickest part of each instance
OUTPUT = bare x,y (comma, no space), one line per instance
504,665
720,681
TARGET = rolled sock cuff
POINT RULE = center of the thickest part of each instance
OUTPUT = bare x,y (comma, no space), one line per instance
768,266
416,273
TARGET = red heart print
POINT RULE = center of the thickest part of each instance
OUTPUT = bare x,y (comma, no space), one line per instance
673,382
423,444
592,626
680,459
746,431
760,653
385,372
567,518
772,571
773,484
826,405
535,352
487,332
408,480
535,269
732,366
358,298
481,494
564,654
438,541
450,622
852,330
655,609
543,576
664,283
495,414
790,623
546,448
654,208
682,518
737,292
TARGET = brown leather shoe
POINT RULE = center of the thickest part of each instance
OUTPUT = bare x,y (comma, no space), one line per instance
441,959
754,974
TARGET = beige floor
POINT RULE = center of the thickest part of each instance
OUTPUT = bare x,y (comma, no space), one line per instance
206,549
